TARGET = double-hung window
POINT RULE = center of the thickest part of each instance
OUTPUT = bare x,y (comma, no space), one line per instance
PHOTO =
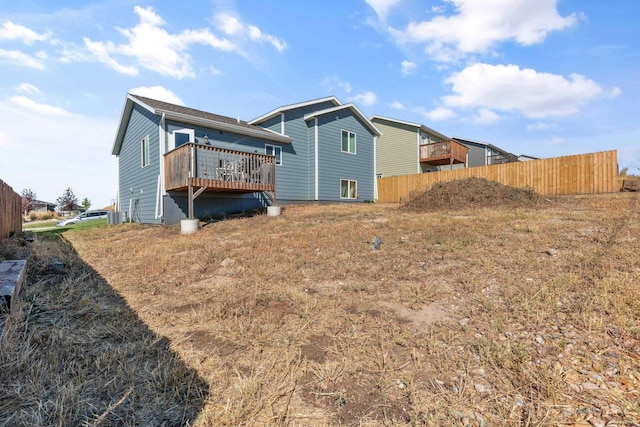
144,151
348,142
348,189
274,150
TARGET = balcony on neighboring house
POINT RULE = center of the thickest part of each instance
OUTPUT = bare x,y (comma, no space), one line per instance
203,168
501,158
443,153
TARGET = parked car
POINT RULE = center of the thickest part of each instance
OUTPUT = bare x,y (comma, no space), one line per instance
85,216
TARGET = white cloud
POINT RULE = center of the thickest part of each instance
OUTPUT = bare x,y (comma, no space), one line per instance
382,7
396,105
20,58
152,47
157,92
11,31
101,51
27,88
31,106
332,82
75,152
232,26
407,67
540,126
365,98
510,88
439,114
486,117
478,26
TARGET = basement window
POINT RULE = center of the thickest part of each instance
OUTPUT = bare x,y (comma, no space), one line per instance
348,189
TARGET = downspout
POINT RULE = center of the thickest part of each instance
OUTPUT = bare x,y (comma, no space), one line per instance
315,125
375,162
117,207
162,151
418,143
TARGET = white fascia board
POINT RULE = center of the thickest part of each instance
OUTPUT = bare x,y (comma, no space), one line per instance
284,108
388,119
420,126
262,133
351,107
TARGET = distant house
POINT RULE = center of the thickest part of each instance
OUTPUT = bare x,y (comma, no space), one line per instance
175,162
42,206
485,154
408,148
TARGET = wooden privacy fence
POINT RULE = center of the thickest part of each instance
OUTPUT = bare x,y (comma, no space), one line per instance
10,211
581,174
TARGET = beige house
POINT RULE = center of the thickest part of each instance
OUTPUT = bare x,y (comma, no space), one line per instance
406,148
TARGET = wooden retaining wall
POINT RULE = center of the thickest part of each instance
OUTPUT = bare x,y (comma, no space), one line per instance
580,174
10,211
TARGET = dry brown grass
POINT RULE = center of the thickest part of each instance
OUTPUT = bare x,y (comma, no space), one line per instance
477,316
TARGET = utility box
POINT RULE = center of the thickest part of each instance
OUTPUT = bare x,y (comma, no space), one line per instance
116,217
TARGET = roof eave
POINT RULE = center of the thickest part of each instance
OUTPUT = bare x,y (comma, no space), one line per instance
374,130
273,113
213,124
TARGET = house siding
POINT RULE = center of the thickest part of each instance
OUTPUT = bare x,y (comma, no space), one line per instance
397,149
295,180
138,186
335,165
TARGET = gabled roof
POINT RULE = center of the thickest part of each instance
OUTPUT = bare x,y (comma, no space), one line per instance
190,116
271,114
422,127
486,144
374,130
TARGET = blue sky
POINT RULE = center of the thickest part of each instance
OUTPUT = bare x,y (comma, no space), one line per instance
540,77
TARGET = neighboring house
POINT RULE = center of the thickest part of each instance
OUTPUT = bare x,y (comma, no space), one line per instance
42,206
408,148
176,162
485,154
332,154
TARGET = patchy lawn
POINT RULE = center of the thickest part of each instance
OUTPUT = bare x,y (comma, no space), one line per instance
474,316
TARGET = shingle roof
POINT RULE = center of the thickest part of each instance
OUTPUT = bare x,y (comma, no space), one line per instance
162,106
191,116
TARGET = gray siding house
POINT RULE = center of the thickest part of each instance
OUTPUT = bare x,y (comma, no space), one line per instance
176,162
332,154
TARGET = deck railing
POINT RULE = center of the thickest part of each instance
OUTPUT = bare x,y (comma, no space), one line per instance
444,152
218,169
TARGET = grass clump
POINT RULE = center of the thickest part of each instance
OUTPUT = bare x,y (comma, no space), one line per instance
470,193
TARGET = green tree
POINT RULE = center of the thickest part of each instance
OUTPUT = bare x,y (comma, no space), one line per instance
86,203
68,201
28,200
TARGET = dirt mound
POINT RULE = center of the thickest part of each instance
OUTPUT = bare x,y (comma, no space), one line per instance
468,193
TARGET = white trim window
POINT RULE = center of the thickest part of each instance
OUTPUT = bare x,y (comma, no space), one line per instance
274,150
348,142
348,189
144,151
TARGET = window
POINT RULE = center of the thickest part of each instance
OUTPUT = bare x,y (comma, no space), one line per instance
144,151
274,150
348,189
348,142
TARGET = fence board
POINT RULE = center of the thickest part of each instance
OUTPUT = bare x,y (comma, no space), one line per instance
590,173
10,211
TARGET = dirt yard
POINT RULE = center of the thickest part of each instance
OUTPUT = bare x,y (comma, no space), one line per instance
522,315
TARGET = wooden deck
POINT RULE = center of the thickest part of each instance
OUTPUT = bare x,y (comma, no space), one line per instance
203,168
217,169
443,153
